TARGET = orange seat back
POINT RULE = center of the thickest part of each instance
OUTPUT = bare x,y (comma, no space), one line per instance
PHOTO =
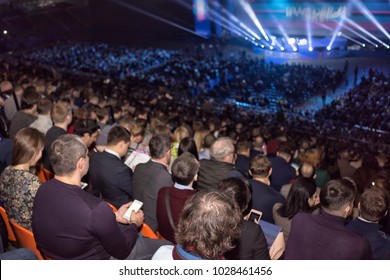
25,238
148,232
114,209
11,235
44,174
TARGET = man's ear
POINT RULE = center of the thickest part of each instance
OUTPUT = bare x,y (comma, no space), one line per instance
270,172
80,163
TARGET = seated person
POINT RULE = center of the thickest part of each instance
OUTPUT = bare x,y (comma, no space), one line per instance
324,236
373,206
252,244
302,197
107,172
208,226
184,173
79,225
18,186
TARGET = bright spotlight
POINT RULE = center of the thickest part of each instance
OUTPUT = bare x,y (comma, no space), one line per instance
271,47
248,9
282,49
364,45
5,32
291,41
295,49
328,48
340,33
310,49
371,17
262,46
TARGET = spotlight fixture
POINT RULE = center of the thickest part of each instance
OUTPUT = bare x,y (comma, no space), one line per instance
310,49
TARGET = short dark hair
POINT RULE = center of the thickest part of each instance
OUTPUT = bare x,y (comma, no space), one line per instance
374,204
240,191
117,134
158,146
184,169
65,152
44,106
260,166
336,193
29,98
209,224
85,126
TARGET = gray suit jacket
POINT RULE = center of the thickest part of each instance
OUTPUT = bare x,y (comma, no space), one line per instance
148,179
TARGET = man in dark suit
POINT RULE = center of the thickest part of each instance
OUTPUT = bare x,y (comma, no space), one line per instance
264,196
325,236
108,174
283,173
373,206
150,177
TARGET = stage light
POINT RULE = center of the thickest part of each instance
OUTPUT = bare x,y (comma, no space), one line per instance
248,9
364,45
354,24
235,19
295,49
143,12
345,36
291,41
358,34
271,47
5,32
262,46
340,33
370,16
328,48
310,49
282,49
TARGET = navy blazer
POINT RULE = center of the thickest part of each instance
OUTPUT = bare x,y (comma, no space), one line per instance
282,172
114,179
379,241
148,179
264,198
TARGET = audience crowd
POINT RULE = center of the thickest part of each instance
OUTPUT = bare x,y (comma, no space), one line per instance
113,125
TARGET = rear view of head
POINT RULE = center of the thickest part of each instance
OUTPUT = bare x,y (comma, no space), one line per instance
222,150
209,223
374,204
188,145
337,196
240,191
65,153
301,198
158,146
185,169
28,146
260,166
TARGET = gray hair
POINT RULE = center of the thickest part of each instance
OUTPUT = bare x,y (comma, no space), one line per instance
65,152
221,148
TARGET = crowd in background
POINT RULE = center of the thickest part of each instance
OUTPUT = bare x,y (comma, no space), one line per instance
96,87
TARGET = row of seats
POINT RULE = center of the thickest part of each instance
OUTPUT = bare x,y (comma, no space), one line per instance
24,238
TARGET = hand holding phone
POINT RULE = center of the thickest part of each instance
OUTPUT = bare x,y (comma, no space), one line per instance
135,206
254,216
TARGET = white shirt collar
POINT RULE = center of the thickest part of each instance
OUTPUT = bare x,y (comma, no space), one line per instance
112,152
182,187
367,221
